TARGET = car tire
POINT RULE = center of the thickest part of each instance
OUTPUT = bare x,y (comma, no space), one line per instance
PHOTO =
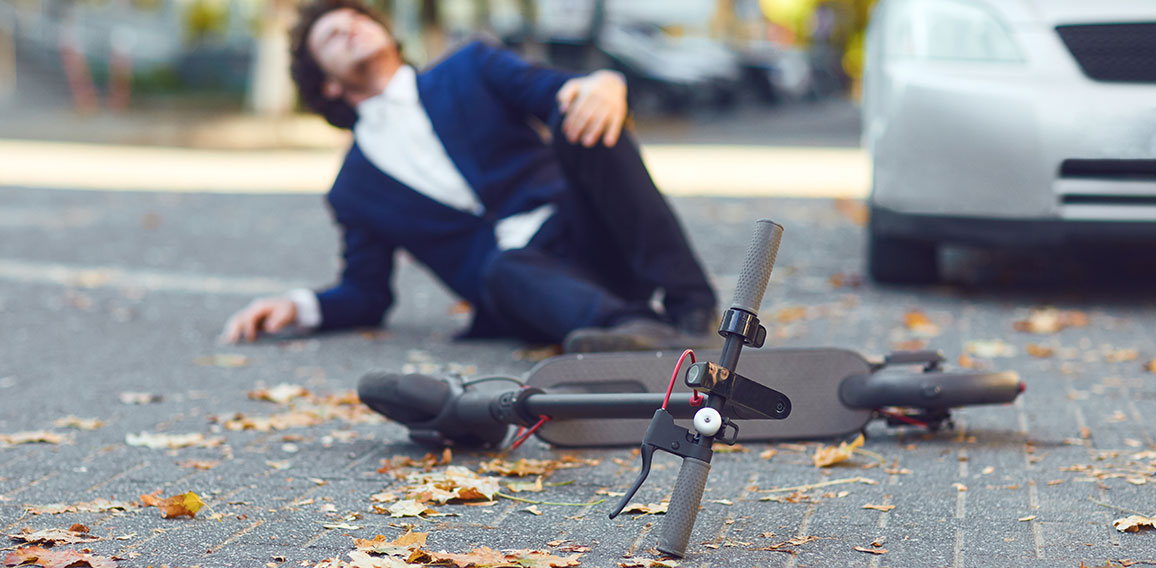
898,260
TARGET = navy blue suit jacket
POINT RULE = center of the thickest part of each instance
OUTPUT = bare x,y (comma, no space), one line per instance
480,100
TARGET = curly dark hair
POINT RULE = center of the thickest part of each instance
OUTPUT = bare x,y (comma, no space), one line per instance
305,70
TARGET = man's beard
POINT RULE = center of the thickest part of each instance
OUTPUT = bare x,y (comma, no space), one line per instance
364,71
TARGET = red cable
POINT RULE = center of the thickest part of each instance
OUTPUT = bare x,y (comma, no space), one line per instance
696,398
518,442
903,418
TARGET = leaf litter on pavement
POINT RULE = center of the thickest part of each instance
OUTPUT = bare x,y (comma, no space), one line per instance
304,409
53,558
408,550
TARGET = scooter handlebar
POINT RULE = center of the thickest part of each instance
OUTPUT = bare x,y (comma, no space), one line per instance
761,253
684,504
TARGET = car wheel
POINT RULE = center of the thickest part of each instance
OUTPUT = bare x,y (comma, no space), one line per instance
897,260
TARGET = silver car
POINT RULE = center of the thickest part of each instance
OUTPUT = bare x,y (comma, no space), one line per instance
1007,122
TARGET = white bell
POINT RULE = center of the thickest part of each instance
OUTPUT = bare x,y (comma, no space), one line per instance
707,421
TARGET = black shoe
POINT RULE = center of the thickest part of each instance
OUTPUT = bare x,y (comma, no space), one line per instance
635,335
699,321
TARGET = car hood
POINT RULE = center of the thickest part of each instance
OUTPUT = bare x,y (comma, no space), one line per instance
1060,12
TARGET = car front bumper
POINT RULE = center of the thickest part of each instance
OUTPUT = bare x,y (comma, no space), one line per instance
1007,232
982,141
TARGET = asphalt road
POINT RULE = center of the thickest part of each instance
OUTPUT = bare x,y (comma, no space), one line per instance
106,293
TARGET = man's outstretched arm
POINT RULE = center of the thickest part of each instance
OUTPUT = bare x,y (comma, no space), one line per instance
360,299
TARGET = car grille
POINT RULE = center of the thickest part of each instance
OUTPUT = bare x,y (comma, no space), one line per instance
1121,53
1121,170
1113,172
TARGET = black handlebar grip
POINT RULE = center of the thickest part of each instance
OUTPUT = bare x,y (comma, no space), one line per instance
683,510
408,399
760,260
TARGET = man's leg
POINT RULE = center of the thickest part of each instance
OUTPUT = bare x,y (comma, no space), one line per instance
613,187
539,297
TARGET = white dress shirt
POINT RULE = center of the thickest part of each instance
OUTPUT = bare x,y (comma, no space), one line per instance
395,134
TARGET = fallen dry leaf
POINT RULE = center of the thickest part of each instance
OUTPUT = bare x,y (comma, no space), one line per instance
409,508
157,441
1121,355
651,509
768,453
883,508
521,468
536,355
989,348
871,550
485,557
139,398
78,534
841,280
37,437
526,486
647,563
279,394
203,465
184,505
276,422
1150,366
720,448
1050,320
533,510
427,463
790,314
455,482
45,558
78,423
1134,523
383,497
1027,518
95,506
403,545
959,487
826,456
796,541
1039,351
918,323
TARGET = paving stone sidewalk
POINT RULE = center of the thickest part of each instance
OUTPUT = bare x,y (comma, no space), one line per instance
103,294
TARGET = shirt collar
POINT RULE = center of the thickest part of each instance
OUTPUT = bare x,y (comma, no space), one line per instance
401,90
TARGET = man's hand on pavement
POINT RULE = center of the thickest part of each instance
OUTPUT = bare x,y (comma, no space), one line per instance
595,108
268,315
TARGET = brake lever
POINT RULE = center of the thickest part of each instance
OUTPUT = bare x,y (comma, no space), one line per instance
664,435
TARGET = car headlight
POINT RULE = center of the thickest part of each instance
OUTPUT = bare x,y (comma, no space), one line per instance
950,30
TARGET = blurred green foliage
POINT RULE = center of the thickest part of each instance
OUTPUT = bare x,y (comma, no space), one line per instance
205,19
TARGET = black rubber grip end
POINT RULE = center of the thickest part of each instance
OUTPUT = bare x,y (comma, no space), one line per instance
409,399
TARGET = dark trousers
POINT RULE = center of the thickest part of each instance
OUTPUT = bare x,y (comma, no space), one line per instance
612,241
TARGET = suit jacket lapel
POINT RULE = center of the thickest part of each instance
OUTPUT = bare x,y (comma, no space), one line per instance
448,122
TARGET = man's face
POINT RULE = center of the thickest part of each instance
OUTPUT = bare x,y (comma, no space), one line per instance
344,41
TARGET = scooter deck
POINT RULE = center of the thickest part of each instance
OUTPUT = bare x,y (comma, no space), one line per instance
809,377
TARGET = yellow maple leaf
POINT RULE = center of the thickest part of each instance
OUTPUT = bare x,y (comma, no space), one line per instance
828,455
184,505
